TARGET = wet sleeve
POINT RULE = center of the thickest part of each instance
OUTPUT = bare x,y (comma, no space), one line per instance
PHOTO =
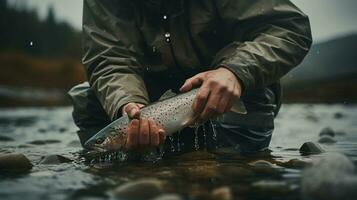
269,38
111,55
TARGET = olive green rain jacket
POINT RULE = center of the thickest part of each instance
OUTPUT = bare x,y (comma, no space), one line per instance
134,50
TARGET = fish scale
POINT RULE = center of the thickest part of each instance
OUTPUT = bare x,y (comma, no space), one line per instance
171,114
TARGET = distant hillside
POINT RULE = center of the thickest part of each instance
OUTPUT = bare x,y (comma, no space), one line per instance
328,73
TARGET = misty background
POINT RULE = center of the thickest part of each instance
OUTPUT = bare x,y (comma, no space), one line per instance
40,53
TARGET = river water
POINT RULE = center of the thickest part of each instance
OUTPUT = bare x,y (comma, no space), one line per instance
40,132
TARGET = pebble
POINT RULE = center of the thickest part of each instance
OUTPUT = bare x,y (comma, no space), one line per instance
14,162
338,115
4,138
309,148
327,131
261,164
168,197
43,142
222,193
54,160
296,164
331,177
139,189
326,140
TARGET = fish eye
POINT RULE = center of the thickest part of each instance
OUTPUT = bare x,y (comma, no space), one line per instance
99,141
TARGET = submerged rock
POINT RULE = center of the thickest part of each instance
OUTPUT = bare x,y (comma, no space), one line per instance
168,197
54,160
43,142
139,189
14,162
222,193
261,164
327,131
338,115
296,164
326,140
4,138
331,177
309,148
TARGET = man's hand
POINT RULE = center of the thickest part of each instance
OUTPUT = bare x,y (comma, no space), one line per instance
219,89
142,133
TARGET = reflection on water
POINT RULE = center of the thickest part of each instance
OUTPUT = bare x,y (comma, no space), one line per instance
41,134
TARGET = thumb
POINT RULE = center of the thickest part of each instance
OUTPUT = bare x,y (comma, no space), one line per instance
196,80
132,110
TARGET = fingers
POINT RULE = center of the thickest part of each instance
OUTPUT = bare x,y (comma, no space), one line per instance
192,82
200,100
133,110
133,132
144,134
154,134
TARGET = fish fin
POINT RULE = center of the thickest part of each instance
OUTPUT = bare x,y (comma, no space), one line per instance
239,107
168,94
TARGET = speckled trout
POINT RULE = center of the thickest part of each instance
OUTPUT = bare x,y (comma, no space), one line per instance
171,113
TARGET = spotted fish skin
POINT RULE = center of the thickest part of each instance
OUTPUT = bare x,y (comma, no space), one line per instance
172,115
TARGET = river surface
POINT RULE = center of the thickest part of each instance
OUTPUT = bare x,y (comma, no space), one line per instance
39,132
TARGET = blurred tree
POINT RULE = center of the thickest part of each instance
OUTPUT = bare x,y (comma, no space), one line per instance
23,31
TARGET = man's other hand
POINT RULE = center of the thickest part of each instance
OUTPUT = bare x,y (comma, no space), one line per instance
143,133
219,89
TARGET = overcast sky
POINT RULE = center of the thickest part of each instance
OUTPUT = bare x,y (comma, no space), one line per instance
329,18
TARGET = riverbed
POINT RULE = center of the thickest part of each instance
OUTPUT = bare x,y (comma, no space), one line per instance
39,133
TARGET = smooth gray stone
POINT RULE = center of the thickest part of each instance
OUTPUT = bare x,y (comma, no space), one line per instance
54,160
327,131
309,148
331,177
4,138
14,162
139,189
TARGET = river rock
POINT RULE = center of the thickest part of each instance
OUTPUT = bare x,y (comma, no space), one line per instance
331,177
327,140
14,162
296,164
168,197
43,142
327,131
261,164
4,138
139,189
54,160
309,148
338,115
222,193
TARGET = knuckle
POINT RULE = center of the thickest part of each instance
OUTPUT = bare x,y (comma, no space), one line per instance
211,108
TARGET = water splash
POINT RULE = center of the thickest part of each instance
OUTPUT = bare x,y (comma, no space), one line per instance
214,130
172,145
178,142
197,145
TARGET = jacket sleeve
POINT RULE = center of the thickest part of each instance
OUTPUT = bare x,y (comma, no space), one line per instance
111,54
270,37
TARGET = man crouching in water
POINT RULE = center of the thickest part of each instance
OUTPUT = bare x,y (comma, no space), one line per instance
135,50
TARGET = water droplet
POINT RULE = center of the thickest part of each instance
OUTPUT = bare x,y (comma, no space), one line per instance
204,135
